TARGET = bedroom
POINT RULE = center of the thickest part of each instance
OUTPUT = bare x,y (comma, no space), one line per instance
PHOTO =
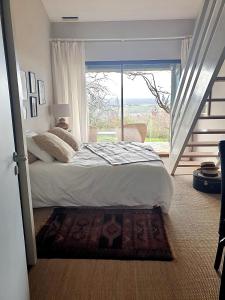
115,45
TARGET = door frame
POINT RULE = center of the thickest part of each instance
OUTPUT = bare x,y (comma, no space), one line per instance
15,90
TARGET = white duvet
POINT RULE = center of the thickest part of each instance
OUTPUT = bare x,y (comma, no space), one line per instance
90,181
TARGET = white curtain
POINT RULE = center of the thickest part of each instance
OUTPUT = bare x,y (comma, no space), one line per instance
68,68
185,46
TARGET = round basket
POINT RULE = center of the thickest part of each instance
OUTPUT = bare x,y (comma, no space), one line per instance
205,184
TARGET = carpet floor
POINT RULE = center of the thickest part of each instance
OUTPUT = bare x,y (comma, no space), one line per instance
192,226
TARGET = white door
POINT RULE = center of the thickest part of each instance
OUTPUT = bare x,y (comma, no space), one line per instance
13,267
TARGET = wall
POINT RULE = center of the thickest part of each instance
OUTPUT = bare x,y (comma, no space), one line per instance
132,50
32,31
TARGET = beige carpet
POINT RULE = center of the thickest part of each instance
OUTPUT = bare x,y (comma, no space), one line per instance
192,226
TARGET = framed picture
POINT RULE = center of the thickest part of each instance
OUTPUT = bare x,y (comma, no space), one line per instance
24,85
33,106
32,82
41,92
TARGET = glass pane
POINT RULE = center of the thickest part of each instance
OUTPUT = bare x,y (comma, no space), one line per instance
103,93
176,71
147,93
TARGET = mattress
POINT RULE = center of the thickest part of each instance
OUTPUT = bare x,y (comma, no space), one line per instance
89,180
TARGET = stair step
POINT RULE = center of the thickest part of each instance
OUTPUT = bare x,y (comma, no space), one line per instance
215,117
209,131
220,78
162,154
203,144
189,164
216,100
200,154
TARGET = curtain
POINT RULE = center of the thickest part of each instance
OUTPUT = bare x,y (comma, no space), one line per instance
185,46
68,69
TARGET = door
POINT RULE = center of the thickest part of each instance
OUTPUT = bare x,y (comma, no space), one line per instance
13,267
103,86
130,100
15,90
146,101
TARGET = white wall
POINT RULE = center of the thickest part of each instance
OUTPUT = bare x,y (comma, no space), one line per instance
141,50
132,50
32,32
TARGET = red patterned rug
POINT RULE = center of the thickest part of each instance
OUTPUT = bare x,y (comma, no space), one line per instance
104,233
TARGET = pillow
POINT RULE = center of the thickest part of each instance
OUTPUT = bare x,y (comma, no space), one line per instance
66,136
33,148
54,146
31,157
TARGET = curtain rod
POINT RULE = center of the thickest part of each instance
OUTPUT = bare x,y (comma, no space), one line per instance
123,40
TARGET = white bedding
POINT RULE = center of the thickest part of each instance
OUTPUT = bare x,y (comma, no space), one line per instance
90,181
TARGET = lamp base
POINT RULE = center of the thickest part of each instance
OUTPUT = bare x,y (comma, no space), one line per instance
62,124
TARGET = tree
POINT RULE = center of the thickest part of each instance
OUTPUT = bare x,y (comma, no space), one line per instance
162,97
99,96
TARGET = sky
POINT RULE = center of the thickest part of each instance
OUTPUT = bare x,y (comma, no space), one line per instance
137,88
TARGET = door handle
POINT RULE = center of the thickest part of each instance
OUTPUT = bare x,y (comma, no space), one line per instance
18,158
16,170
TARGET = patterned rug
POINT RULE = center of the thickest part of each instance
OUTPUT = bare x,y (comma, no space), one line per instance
104,234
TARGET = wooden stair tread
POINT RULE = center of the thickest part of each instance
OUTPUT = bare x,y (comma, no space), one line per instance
202,144
200,154
209,131
220,78
185,164
216,100
163,153
214,117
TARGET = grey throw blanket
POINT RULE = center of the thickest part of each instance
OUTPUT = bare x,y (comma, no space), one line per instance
123,153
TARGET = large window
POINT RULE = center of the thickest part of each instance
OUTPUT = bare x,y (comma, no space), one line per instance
131,100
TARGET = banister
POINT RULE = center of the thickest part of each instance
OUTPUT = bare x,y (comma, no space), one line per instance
198,66
206,56
197,29
193,57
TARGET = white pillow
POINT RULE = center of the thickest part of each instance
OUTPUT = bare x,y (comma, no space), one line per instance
37,151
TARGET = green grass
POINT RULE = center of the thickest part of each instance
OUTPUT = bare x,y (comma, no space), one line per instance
113,138
108,138
156,139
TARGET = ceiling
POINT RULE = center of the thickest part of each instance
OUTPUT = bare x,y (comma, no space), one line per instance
122,10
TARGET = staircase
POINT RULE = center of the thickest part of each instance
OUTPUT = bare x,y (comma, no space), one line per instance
206,56
208,142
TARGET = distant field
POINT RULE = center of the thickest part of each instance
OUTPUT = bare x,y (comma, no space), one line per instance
144,108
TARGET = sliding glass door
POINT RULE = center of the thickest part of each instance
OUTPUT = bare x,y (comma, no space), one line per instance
103,85
146,99
131,101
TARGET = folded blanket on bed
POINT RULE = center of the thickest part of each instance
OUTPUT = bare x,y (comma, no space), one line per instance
123,153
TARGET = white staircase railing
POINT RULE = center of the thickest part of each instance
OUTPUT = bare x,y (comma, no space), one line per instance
206,56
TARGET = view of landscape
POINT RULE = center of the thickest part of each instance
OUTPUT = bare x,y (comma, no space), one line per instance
140,106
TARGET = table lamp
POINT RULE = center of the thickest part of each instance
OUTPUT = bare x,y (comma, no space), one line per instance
61,111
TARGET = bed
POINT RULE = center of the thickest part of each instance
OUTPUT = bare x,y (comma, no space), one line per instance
89,180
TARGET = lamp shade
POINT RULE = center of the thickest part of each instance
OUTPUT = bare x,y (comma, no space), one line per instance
61,110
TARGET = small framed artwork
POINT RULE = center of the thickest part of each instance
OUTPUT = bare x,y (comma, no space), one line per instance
24,85
32,82
33,106
41,92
